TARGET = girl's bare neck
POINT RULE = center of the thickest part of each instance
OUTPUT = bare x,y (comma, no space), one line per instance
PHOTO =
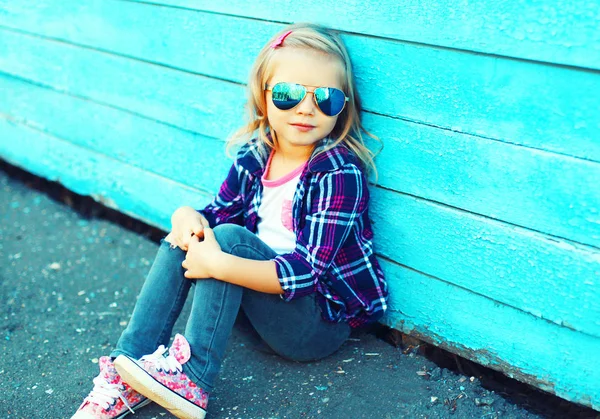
285,161
292,155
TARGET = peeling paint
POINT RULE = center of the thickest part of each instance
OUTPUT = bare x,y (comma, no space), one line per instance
489,359
105,200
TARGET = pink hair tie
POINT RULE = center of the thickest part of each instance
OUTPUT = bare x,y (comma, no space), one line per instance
279,40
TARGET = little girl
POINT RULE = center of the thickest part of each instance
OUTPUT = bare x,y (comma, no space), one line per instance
287,239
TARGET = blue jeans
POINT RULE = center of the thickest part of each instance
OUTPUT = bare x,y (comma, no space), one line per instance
295,330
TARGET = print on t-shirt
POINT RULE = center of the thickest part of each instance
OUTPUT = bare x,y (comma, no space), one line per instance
286,214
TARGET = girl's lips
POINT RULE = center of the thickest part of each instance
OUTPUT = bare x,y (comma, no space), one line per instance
303,127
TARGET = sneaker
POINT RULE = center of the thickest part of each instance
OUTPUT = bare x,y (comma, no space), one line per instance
110,397
160,377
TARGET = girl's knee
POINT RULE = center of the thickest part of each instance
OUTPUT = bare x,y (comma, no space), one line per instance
228,235
239,241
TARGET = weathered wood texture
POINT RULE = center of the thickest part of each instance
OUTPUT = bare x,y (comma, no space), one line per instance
487,207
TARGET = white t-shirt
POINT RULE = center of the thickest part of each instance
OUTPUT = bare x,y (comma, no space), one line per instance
275,226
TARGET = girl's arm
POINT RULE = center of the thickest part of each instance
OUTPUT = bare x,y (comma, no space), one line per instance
206,260
338,204
227,206
258,275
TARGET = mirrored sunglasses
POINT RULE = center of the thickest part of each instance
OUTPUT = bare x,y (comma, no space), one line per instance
329,100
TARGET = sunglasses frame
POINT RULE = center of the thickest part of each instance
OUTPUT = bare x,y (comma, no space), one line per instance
269,87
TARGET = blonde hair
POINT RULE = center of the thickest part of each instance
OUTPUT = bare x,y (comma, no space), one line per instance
348,128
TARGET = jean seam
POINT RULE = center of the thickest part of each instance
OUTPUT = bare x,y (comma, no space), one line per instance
175,304
161,336
212,340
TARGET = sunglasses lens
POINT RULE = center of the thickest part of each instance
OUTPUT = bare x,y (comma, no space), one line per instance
287,95
331,101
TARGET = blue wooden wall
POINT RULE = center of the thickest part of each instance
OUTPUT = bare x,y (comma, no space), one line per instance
487,211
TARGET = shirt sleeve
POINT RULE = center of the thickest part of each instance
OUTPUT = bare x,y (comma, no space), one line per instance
340,199
228,204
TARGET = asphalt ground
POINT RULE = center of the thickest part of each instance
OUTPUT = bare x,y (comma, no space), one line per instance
70,271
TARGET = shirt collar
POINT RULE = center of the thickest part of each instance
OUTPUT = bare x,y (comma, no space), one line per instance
253,156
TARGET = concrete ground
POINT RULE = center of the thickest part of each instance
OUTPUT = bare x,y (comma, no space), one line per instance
68,283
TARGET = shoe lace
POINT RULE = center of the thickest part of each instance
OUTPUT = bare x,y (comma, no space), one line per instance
166,363
104,393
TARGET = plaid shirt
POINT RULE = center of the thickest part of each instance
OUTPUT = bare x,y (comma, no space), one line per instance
334,254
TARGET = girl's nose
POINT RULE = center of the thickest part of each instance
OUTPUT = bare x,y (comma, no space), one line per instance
307,106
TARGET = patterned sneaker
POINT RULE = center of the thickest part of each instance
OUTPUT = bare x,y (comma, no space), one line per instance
160,377
110,397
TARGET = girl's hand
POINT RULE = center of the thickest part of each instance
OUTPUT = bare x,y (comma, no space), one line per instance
186,222
202,258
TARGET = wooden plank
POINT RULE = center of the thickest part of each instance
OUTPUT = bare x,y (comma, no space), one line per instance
564,32
185,100
532,272
481,176
188,40
535,189
524,103
133,191
548,278
529,104
185,157
522,346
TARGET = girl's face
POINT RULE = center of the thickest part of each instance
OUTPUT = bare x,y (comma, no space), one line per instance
304,125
